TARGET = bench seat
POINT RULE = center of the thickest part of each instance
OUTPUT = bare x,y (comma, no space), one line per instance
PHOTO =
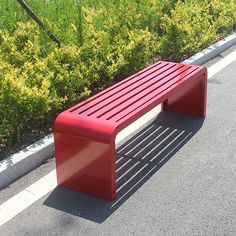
85,134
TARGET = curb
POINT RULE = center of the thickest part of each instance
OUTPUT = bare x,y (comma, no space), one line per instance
21,163
212,51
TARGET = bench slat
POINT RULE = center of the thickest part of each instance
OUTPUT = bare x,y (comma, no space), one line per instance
86,104
156,88
137,107
137,93
126,91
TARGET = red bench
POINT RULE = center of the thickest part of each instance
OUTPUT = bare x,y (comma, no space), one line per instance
85,134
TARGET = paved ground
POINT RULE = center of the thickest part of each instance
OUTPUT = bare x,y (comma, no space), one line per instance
176,177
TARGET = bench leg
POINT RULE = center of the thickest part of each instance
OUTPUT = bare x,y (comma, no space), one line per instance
86,165
189,99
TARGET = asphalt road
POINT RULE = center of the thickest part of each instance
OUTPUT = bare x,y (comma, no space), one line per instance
176,177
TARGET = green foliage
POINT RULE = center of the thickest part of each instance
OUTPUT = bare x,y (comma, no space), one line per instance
34,84
223,16
103,41
187,29
193,25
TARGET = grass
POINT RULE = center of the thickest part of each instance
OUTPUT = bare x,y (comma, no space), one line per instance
66,17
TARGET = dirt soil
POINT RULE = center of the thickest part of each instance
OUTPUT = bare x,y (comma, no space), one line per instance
33,131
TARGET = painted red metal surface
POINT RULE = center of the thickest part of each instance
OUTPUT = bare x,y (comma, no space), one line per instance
85,134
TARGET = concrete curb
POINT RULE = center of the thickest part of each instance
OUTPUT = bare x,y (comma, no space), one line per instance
212,51
19,164
33,156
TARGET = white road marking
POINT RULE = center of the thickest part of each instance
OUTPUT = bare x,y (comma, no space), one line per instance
27,197
34,192
218,66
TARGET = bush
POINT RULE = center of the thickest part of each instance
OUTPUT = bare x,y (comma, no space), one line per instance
187,29
34,84
102,42
223,16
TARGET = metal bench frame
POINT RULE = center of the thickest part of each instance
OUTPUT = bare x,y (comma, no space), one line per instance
85,134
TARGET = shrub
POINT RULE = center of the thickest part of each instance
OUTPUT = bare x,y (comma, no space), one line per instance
102,42
34,84
223,17
187,29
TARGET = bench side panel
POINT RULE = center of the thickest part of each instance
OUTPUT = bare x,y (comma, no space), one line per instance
189,99
85,157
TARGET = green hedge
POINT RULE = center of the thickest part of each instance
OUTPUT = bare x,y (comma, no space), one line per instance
34,84
102,42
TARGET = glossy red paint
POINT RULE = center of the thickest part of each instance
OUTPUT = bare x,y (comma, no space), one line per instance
85,134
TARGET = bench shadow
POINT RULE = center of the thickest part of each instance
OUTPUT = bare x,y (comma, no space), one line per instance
137,161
